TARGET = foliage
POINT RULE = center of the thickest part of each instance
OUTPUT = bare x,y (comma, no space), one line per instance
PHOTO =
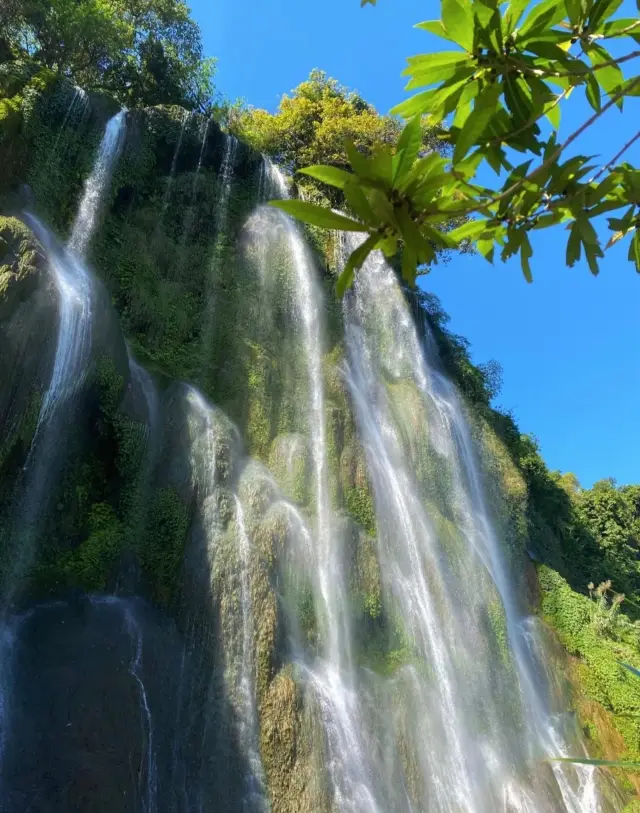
143,52
607,674
311,125
504,76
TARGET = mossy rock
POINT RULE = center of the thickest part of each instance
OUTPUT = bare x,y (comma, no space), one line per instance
291,746
28,322
22,265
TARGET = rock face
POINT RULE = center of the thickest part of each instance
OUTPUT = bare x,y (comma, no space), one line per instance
28,322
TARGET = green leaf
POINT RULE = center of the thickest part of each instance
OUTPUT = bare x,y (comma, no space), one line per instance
356,260
463,108
419,103
329,175
526,252
601,762
360,205
427,62
382,166
409,145
542,17
457,18
609,78
409,264
552,112
486,248
544,221
593,92
423,168
432,76
574,11
574,246
624,223
601,11
634,256
367,169
475,125
517,96
434,27
549,50
383,207
614,28
438,238
317,215
468,231
446,100
513,13
631,669
415,242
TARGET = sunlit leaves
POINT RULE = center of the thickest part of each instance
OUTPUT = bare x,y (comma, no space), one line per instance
499,93
478,121
458,21
329,175
317,215
354,262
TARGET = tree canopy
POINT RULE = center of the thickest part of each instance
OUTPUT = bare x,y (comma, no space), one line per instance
498,93
314,122
142,51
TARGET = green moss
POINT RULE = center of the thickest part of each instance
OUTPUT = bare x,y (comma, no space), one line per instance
110,385
498,621
601,678
163,547
90,566
359,503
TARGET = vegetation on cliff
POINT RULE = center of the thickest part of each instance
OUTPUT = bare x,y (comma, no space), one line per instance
140,52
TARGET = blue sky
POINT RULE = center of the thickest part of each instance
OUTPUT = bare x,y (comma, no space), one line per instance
570,343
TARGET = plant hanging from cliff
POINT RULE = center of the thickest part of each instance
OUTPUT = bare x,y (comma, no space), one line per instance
500,89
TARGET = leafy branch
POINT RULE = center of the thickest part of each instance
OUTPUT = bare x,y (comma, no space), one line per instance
488,95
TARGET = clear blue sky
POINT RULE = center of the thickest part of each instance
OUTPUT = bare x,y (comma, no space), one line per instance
570,343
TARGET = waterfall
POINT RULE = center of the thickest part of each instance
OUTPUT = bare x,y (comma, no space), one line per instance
148,770
80,98
97,184
225,182
76,299
174,164
331,676
443,573
255,796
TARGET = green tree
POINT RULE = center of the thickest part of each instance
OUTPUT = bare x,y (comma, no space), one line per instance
313,124
499,90
142,51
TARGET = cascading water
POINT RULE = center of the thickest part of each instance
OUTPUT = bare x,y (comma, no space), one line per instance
255,794
80,101
76,297
443,573
225,183
331,676
174,164
97,184
147,773
312,648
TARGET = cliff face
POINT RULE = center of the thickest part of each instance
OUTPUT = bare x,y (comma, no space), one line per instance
155,492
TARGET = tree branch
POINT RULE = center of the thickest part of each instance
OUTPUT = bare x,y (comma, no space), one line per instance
542,72
619,33
615,158
554,155
504,139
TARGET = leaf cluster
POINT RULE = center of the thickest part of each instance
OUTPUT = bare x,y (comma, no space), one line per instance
498,92
142,51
